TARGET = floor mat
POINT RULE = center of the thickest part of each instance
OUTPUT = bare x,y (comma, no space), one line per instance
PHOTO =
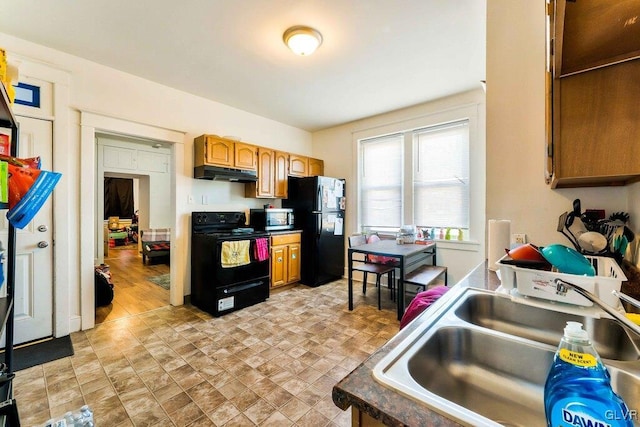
41,352
163,280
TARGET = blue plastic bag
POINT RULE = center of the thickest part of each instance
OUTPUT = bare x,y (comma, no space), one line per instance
24,211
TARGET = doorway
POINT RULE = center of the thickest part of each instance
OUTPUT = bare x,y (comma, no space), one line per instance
130,199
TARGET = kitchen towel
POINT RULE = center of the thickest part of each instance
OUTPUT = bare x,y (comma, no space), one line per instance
235,253
499,240
261,249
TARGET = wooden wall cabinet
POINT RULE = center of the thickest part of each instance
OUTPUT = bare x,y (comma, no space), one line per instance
285,259
273,167
213,150
298,165
593,119
305,166
316,167
245,156
596,127
265,186
281,175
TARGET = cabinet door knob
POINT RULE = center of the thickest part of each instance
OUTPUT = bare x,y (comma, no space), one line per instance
279,259
293,256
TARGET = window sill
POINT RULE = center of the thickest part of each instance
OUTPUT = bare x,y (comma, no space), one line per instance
458,245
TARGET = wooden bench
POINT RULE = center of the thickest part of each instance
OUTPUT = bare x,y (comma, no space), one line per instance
426,275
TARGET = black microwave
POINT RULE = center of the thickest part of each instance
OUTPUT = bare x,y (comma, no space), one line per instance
271,219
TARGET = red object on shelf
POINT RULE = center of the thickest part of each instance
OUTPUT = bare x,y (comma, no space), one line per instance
423,242
5,144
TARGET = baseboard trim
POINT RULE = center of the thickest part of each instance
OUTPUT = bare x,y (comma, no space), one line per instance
75,323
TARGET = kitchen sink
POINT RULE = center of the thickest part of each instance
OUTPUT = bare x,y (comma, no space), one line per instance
610,339
481,359
484,373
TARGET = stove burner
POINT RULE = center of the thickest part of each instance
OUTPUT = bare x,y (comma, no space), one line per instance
243,230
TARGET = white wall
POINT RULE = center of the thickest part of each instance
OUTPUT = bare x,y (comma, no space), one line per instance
338,147
111,93
515,136
159,210
516,128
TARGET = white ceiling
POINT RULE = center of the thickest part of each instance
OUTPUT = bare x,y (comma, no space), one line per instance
377,55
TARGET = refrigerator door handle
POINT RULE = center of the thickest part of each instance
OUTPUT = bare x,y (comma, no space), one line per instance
318,226
319,198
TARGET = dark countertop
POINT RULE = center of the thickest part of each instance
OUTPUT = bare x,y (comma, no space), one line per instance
360,390
275,233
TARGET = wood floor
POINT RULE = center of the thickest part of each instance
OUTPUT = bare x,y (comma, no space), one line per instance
133,293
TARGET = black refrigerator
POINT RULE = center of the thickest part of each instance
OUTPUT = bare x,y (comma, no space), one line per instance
318,204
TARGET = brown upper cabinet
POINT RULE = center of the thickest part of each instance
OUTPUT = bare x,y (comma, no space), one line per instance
216,151
593,119
274,171
281,174
273,167
211,150
316,167
265,186
298,165
245,156
305,166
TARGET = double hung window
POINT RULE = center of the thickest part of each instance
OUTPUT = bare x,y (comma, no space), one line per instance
419,176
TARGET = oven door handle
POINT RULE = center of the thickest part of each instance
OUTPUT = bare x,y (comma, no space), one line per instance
240,288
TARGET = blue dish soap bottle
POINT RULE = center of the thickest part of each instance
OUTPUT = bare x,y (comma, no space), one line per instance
578,388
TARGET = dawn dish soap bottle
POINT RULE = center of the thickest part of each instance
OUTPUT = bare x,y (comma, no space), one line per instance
578,388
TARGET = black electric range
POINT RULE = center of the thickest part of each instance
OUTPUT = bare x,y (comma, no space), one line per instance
217,285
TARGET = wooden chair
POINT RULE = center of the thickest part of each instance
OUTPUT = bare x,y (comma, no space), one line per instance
366,267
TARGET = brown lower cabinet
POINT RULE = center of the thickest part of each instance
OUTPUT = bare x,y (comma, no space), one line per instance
285,259
362,419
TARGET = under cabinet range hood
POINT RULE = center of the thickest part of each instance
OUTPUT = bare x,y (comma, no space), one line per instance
216,173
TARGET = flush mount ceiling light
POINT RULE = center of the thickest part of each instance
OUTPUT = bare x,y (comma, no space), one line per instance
302,40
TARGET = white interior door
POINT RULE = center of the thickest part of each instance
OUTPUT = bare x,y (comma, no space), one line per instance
33,304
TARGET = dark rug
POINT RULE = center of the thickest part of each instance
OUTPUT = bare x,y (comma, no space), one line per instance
163,280
41,352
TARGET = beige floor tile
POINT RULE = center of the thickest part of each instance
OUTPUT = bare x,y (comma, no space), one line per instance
206,396
223,413
245,399
186,414
271,364
259,411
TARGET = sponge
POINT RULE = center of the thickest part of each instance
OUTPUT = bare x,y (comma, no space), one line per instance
634,317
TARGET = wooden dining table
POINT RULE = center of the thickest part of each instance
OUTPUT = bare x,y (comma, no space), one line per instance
409,256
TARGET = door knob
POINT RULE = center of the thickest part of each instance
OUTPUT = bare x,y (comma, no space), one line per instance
43,244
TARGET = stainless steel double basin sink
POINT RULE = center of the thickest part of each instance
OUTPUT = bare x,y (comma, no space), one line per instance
482,359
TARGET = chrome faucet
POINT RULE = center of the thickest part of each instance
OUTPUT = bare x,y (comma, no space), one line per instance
562,287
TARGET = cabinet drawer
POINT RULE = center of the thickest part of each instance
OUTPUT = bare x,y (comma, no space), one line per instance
285,239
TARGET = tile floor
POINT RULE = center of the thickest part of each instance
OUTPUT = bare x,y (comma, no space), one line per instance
274,363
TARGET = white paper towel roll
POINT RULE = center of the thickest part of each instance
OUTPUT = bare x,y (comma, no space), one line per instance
499,240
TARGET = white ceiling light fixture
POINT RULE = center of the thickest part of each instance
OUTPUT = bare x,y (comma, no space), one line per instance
302,40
